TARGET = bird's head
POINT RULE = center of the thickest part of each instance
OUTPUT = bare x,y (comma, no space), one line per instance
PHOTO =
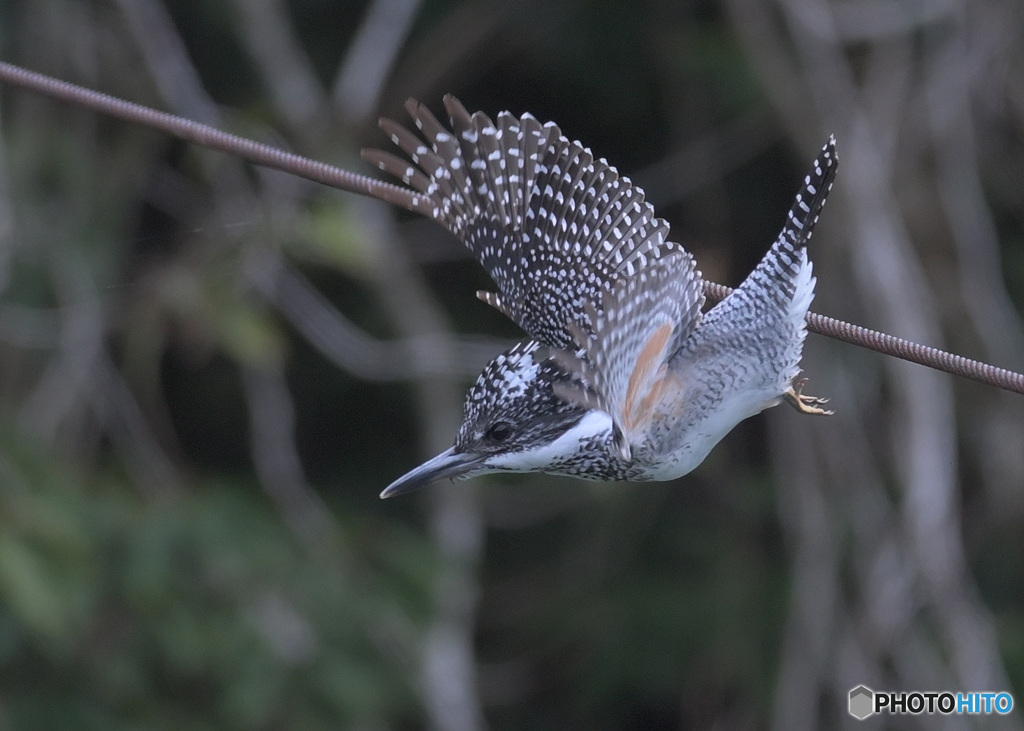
513,422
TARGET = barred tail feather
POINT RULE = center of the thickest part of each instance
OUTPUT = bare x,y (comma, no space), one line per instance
811,197
783,278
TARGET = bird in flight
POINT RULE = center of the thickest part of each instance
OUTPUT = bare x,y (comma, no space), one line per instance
622,375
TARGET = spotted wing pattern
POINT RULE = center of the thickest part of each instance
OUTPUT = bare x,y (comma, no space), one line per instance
552,226
620,366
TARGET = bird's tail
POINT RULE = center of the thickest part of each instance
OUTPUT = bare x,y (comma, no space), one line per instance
782,281
811,197
775,297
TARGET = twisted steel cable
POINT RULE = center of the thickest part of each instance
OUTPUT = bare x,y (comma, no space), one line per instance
272,157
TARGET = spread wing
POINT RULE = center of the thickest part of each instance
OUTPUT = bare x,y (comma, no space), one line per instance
552,226
620,364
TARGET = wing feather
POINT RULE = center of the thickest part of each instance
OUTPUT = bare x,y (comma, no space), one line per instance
552,226
621,352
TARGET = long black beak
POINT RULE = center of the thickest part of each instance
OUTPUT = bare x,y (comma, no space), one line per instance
447,464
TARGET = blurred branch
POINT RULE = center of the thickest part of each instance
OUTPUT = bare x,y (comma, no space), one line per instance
349,347
80,381
911,549
949,87
880,20
449,659
448,672
69,378
708,158
370,56
816,604
167,60
458,43
276,456
270,40
151,469
29,327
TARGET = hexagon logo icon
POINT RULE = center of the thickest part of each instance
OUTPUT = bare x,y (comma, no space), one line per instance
862,701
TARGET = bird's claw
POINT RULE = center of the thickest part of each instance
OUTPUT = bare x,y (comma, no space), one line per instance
805,404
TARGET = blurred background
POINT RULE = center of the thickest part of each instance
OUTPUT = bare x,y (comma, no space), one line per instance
208,372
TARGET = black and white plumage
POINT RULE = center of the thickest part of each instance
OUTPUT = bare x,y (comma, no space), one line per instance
549,224
625,343
622,377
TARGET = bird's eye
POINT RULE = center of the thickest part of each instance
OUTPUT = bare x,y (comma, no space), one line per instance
499,431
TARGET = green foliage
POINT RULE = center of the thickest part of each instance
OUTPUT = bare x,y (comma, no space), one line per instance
197,606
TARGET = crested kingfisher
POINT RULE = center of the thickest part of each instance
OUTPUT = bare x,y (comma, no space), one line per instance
622,375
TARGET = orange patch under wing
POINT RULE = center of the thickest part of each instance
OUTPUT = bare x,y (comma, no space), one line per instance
653,397
649,361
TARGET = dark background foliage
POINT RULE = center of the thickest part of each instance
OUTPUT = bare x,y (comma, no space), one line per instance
208,373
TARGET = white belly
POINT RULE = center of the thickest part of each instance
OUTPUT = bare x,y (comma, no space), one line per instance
683,451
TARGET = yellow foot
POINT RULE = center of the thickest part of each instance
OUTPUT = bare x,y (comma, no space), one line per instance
805,404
